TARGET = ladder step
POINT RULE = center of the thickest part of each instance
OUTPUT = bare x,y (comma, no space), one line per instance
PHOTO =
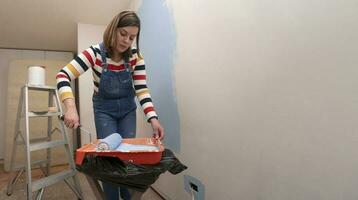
50,180
41,88
44,114
46,145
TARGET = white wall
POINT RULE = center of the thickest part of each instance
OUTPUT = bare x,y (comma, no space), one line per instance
5,56
8,55
267,99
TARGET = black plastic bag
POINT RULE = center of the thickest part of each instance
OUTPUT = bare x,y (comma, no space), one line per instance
133,176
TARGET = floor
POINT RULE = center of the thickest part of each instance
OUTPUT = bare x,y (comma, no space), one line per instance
57,191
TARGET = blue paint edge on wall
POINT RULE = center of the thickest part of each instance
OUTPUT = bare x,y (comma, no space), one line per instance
158,45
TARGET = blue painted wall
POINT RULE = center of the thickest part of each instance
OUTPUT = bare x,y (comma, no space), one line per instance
158,44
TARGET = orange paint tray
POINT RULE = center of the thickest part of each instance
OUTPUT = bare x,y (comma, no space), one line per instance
137,157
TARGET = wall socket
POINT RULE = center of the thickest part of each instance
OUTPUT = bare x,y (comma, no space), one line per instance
194,187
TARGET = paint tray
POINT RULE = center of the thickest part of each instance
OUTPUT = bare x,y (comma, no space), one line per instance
137,157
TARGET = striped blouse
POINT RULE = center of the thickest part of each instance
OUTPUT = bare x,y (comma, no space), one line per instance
91,58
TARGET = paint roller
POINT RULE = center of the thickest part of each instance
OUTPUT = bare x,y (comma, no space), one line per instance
108,143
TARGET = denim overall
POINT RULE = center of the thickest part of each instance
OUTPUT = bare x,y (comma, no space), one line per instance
115,111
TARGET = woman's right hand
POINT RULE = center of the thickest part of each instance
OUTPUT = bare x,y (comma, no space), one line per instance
72,119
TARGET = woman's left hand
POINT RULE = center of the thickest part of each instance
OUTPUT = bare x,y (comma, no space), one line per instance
158,130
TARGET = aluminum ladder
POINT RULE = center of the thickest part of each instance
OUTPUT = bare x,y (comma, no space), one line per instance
23,115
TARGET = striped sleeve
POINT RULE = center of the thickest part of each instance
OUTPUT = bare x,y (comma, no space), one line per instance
72,70
142,91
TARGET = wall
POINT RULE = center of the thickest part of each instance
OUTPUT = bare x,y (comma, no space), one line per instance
5,56
266,93
160,66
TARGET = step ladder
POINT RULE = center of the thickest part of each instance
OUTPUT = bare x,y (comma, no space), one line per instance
22,137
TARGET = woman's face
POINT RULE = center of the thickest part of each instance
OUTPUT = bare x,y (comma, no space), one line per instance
125,37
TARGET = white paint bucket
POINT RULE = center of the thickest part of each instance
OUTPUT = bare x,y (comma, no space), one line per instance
36,75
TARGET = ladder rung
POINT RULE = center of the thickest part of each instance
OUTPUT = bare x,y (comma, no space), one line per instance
50,180
41,88
43,114
46,145
38,162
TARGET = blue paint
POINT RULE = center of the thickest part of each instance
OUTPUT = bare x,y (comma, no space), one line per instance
158,44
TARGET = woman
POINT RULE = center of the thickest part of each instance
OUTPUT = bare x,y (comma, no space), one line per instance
118,76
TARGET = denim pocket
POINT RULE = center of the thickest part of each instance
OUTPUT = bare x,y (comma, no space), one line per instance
125,79
116,84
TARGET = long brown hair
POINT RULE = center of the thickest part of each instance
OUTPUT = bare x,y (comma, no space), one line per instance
125,18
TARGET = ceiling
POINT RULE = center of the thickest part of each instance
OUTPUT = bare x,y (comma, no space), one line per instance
51,24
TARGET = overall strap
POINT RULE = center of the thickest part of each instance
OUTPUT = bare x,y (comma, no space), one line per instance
126,64
103,56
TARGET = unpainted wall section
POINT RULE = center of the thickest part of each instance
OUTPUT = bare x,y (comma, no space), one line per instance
266,94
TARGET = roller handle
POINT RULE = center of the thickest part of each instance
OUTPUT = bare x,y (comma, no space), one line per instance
62,117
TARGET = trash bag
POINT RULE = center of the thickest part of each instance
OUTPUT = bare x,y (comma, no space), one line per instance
133,176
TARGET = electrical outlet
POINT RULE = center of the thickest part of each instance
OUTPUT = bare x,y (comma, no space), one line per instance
194,187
